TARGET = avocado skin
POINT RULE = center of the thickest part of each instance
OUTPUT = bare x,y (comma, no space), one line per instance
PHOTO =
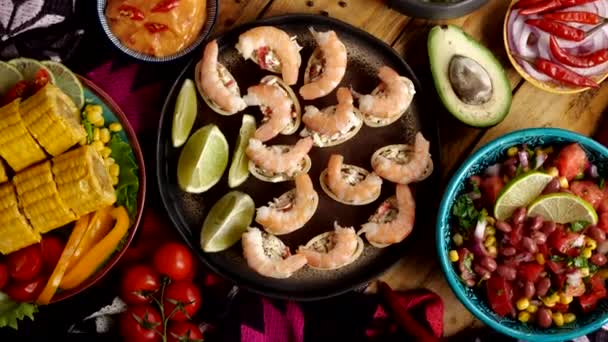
441,50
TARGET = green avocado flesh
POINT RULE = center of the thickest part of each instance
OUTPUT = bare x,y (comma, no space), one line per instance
447,43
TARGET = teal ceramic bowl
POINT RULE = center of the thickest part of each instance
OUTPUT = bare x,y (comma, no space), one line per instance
473,299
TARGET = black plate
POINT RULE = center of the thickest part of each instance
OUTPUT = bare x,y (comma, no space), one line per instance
436,10
187,211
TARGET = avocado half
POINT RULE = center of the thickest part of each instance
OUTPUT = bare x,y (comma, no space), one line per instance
446,42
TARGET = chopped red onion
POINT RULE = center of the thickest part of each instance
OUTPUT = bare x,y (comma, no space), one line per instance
493,170
540,160
592,171
523,158
480,229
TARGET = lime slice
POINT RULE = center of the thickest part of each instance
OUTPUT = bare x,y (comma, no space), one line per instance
227,220
186,108
239,168
29,67
563,208
519,192
67,81
203,160
9,76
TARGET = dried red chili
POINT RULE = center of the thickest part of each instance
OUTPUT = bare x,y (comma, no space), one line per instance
131,12
541,7
558,29
527,3
582,61
155,27
560,73
570,3
165,6
575,17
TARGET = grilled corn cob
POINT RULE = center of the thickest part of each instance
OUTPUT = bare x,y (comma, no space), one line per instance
15,231
17,146
83,181
53,119
3,172
39,198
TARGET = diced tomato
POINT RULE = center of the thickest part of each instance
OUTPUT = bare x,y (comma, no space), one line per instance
574,290
559,307
603,221
500,295
589,191
563,240
544,250
530,271
598,287
603,206
490,188
556,267
571,161
588,302
598,291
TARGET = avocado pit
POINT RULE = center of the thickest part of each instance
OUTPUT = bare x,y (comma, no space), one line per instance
470,81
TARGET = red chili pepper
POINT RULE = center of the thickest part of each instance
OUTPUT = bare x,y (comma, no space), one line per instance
131,12
165,6
560,73
582,61
570,3
558,29
527,3
541,7
155,27
575,17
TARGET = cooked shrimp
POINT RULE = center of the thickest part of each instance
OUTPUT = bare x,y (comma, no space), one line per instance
393,98
216,84
393,221
292,210
334,250
278,159
349,184
273,50
332,120
405,167
277,109
326,67
268,256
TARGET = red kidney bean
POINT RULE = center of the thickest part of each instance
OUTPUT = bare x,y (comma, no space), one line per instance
549,227
539,237
503,226
508,251
529,289
481,271
543,318
552,187
598,259
507,272
596,234
519,215
536,223
542,286
529,244
510,161
488,263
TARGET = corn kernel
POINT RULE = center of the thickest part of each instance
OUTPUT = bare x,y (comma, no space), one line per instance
458,240
453,256
585,271
99,123
115,127
523,317
492,250
550,301
105,152
538,151
563,183
591,244
540,259
569,317
490,230
586,253
96,134
549,150
83,141
563,299
553,172
532,308
95,109
109,161
114,170
558,319
97,145
511,152
94,115
104,135
554,297
491,221
490,241
114,180
522,304
603,273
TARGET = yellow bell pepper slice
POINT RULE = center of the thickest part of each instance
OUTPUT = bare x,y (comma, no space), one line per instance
79,231
94,258
99,226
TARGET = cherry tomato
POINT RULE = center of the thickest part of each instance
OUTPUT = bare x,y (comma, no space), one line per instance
183,332
141,323
3,275
184,294
137,283
500,295
571,161
25,264
52,247
41,78
18,90
25,291
589,191
174,260
490,188
530,271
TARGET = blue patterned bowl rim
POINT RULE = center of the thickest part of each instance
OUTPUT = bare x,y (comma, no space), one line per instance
442,244
212,12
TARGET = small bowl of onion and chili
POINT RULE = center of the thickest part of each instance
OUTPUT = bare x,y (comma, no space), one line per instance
157,30
560,46
521,234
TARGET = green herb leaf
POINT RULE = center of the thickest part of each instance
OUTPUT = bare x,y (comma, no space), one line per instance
579,262
12,312
88,126
465,210
557,258
475,188
128,182
593,268
468,262
519,170
602,183
577,226
579,176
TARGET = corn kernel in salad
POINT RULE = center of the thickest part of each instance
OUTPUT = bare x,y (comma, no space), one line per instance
115,127
454,256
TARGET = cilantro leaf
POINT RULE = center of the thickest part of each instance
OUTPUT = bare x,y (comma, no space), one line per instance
557,258
579,262
468,262
475,188
12,312
577,226
465,210
128,181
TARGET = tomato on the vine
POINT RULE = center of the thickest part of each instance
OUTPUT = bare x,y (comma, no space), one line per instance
25,291
184,332
3,275
141,323
138,283
52,247
25,264
174,260
185,296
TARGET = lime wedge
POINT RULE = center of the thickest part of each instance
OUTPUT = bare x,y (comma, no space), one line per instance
29,68
563,208
239,168
67,81
519,192
9,76
203,160
227,220
186,108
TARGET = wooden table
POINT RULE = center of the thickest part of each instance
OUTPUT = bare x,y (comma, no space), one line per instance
531,107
